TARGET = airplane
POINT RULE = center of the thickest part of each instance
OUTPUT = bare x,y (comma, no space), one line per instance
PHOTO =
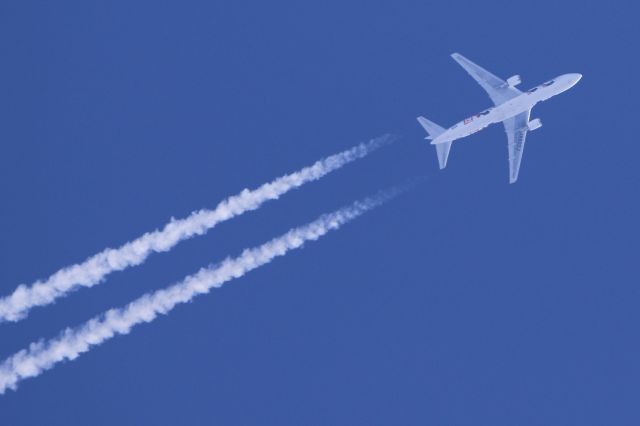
511,107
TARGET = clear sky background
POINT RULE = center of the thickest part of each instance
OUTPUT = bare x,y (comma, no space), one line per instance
467,301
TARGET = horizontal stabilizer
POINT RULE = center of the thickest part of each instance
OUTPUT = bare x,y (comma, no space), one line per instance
442,149
432,128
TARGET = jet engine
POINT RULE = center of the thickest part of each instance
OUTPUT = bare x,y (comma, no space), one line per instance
534,124
513,81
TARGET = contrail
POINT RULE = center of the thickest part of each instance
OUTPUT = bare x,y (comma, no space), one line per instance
71,343
93,270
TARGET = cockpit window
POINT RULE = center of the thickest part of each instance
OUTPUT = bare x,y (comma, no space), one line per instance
532,90
548,83
485,112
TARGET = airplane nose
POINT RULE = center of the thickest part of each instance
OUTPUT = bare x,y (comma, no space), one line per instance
574,78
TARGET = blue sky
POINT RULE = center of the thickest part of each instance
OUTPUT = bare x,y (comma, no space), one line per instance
466,301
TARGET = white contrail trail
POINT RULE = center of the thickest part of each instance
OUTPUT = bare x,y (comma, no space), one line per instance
93,270
71,343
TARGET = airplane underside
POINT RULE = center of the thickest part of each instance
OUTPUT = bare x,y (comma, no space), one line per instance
512,108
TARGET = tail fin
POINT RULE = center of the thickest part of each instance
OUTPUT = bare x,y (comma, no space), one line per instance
442,149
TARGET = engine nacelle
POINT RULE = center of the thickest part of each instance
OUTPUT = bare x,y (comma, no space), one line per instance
513,81
534,124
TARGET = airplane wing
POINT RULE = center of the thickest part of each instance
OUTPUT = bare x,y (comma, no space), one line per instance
516,128
499,90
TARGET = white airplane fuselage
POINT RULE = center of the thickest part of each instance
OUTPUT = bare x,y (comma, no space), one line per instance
508,109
